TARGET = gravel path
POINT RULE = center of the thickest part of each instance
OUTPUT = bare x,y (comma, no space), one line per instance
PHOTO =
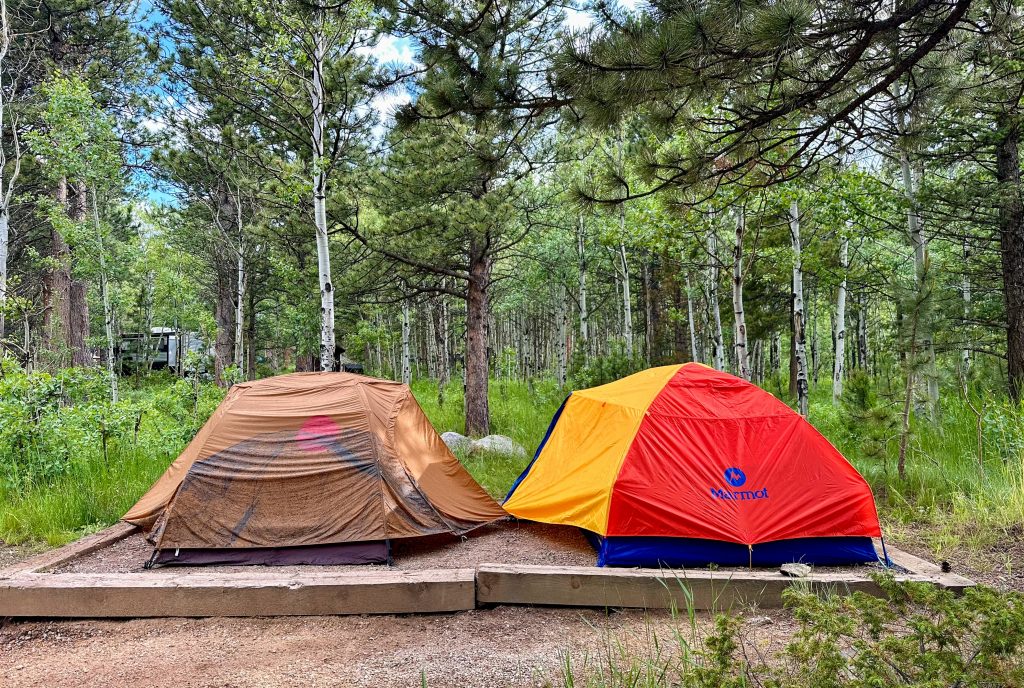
490,648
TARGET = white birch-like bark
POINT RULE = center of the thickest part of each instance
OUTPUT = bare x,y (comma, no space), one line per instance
581,243
690,321
965,287
323,252
562,349
108,310
717,338
6,186
4,248
239,290
919,244
799,341
740,320
627,306
406,355
839,361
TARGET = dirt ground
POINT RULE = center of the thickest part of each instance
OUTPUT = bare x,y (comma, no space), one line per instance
998,564
505,646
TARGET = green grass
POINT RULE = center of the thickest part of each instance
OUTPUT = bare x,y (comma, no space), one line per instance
947,490
56,483
517,411
91,496
945,487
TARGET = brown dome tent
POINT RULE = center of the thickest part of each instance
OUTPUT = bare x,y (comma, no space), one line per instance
309,468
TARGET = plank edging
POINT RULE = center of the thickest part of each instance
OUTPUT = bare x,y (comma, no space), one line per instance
237,594
73,550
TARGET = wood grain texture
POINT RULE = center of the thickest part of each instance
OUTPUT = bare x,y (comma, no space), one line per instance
258,594
78,548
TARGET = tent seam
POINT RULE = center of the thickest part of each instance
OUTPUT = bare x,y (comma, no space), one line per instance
629,446
392,423
376,458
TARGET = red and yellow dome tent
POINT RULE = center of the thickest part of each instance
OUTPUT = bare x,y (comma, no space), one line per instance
685,465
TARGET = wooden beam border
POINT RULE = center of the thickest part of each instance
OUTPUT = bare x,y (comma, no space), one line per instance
62,555
26,590
570,586
199,594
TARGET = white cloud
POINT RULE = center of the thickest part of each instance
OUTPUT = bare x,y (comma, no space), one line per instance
575,20
392,50
386,103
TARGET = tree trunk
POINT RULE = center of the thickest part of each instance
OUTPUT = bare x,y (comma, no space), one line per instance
862,332
740,324
581,243
239,353
4,243
224,315
648,313
56,290
6,182
442,346
78,291
965,289
919,244
323,250
250,330
814,335
562,348
478,414
775,353
1011,246
627,302
239,357
108,310
840,340
406,355
717,339
799,346
690,321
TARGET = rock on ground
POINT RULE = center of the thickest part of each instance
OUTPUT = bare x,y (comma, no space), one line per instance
457,442
795,570
499,444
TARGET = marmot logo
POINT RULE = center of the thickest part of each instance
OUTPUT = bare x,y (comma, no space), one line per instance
741,495
735,476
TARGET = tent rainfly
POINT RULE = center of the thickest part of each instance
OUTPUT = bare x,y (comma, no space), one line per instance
309,468
688,466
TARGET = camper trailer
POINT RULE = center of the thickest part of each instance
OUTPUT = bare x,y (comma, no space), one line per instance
164,347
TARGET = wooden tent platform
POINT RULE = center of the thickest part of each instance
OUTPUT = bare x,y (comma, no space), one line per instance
27,590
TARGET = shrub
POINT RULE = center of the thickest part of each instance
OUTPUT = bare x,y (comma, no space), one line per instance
914,635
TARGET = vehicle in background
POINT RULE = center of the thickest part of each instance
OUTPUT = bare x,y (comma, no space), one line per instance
163,348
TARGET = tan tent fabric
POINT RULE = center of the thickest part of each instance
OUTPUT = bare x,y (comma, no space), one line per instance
312,459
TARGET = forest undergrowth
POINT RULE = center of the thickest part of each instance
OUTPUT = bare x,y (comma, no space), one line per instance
71,462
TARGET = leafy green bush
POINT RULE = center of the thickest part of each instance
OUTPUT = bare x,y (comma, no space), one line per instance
70,460
917,635
914,635
601,370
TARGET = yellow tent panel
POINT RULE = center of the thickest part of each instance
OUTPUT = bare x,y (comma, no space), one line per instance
594,431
